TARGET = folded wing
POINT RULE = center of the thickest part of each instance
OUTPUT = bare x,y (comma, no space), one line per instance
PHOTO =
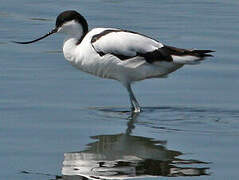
127,44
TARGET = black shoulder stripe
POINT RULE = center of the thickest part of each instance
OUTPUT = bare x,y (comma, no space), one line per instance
105,32
98,36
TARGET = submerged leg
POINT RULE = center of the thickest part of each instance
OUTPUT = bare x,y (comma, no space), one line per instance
134,103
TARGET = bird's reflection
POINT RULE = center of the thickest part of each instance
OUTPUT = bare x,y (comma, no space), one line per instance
122,156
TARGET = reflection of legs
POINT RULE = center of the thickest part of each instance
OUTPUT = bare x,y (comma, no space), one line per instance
134,104
131,122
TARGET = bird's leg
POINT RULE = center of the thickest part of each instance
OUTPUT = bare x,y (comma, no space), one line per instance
134,103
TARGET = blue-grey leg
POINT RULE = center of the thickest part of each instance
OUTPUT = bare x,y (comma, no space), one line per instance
134,103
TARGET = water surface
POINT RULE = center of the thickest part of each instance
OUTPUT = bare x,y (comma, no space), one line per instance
56,120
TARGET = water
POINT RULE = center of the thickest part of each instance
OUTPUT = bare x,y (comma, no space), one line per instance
59,121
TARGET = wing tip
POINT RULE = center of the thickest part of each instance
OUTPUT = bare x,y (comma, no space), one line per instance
203,53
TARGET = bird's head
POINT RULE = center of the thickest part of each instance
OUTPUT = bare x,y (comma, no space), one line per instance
69,22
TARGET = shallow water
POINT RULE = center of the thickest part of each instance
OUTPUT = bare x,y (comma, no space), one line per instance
56,120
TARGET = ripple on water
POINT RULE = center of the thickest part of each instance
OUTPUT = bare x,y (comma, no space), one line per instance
182,119
39,19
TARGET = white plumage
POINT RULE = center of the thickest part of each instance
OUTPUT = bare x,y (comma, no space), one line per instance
123,42
118,54
85,56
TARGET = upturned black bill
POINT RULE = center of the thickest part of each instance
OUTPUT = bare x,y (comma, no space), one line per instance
28,42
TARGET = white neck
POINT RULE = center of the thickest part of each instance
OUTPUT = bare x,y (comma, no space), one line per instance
69,46
71,28
74,32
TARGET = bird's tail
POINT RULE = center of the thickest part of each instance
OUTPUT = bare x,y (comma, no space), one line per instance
187,56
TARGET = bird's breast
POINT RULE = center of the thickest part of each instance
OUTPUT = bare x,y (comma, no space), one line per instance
84,58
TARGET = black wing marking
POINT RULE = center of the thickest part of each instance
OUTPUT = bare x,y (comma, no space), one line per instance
161,54
119,56
156,55
105,32
165,54
185,52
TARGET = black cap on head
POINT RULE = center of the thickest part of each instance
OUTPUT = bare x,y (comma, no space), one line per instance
69,16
